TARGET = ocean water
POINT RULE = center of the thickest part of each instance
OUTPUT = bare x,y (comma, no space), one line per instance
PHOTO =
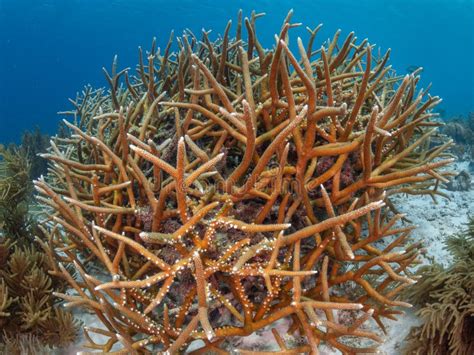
50,49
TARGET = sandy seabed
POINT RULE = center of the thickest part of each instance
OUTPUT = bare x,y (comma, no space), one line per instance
434,223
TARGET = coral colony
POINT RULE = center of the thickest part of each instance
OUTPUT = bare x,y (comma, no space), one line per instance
226,189
30,321
445,298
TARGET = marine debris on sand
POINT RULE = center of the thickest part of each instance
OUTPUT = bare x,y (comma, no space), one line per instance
228,190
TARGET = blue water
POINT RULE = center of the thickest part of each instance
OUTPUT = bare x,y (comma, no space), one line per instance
50,49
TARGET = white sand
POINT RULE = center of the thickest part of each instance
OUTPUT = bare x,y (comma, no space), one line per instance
435,222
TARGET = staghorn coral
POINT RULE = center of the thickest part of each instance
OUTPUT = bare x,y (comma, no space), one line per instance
226,187
446,300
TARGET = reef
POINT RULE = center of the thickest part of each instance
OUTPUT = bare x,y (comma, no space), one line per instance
30,320
33,143
460,182
19,164
225,188
446,300
15,193
461,130
28,310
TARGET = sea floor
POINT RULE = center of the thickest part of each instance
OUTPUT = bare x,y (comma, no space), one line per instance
434,223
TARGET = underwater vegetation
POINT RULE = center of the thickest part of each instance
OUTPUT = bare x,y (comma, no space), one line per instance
459,182
18,166
24,344
29,313
461,130
226,188
15,193
27,306
446,300
33,143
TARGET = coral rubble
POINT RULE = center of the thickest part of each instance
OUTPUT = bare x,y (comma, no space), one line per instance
226,187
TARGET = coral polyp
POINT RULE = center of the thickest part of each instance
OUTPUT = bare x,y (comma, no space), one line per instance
226,188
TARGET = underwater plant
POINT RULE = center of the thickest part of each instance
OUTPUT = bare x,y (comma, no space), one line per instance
28,310
446,300
460,182
19,344
35,142
27,306
225,188
15,193
461,130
